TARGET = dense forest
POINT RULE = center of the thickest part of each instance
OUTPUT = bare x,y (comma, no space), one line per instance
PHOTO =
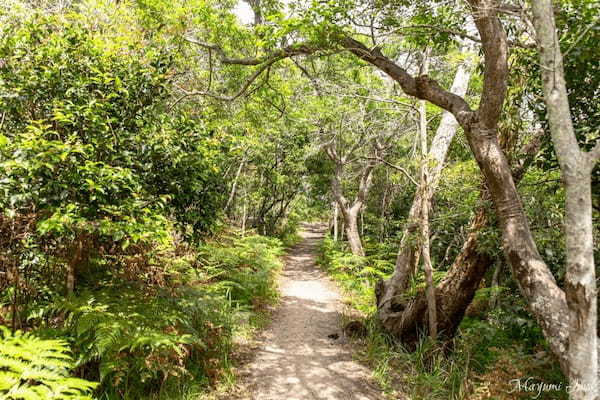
179,177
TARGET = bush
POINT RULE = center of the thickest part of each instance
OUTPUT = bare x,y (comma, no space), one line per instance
243,271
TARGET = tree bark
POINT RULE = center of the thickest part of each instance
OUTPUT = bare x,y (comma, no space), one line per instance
495,285
407,318
350,211
352,233
336,209
576,167
427,267
257,10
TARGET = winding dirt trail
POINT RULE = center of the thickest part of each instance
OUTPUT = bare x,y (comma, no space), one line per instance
296,358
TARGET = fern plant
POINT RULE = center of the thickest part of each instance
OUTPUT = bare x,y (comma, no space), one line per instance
32,368
136,341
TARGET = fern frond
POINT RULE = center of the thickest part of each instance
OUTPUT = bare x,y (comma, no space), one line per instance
37,369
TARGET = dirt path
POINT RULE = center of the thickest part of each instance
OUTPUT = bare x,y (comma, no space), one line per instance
296,359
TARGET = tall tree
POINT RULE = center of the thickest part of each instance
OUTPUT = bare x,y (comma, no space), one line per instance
576,166
355,143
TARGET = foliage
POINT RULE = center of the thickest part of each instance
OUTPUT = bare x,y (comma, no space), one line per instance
138,158
491,349
245,271
138,339
82,144
32,368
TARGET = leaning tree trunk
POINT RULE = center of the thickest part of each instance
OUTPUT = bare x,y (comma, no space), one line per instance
406,318
408,254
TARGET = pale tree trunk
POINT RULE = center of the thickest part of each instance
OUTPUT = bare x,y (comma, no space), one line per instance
244,216
352,234
235,183
336,209
409,251
70,279
427,267
244,211
350,211
362,222
350,224
495,285
576,167
382,215
257,10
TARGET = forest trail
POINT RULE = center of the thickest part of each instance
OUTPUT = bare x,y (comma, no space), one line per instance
296,358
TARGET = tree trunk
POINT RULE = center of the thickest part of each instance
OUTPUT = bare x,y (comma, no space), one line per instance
576,167
362,223
14,276
546,300
382,215
495,285
352,234
244,212
409,251
234,185
70,278
407,318
256,9
350,211
336,211
72,266
427,267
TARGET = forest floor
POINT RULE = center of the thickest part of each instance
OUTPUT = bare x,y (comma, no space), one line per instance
303,354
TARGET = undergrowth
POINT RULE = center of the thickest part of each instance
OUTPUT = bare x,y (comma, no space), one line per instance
494,346
172,340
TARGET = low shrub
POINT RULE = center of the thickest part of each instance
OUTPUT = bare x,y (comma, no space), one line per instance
141,340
